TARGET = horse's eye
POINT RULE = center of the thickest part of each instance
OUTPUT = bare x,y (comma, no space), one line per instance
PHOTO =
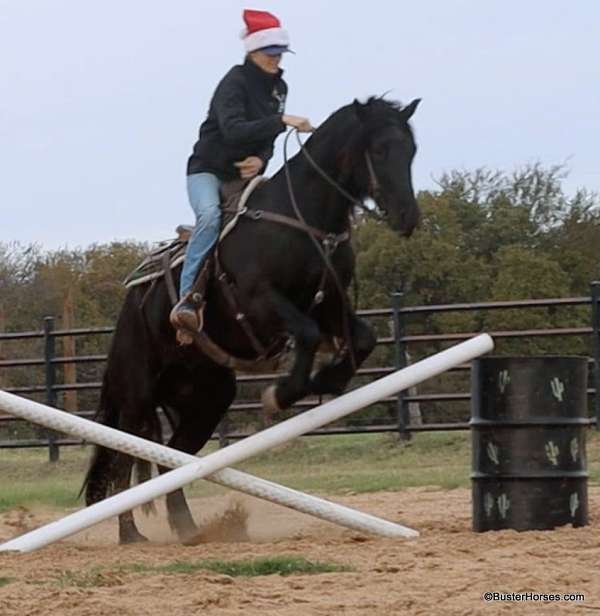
379,151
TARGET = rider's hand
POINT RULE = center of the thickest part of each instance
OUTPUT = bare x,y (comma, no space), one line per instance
249,167
302,124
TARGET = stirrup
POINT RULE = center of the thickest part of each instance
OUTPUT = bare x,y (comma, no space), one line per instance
185,329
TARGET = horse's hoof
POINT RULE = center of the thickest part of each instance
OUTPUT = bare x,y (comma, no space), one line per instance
195,539
324,383
269,401
132,537
185,528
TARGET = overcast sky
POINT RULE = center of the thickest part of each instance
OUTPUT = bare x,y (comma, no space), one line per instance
100,102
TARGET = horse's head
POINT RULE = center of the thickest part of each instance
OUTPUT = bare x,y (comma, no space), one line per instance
385,169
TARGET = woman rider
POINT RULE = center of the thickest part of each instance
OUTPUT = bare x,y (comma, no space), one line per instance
236,140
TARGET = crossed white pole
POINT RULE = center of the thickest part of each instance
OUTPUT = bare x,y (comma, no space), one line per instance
214,466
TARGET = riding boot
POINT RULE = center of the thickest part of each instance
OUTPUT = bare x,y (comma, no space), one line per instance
185,315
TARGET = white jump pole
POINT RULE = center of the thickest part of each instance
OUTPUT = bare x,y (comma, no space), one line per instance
135,446
253,445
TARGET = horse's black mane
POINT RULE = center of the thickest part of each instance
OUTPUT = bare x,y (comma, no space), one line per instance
376,112
347,131
378,103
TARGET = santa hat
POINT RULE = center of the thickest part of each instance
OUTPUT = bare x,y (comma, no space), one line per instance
263,30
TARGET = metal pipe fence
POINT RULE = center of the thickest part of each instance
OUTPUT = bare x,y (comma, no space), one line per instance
399,318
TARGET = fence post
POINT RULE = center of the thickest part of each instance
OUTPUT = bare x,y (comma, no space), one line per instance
402,413
2,330
49,355
595,287
69,349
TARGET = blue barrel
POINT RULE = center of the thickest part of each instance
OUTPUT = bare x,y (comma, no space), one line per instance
528,427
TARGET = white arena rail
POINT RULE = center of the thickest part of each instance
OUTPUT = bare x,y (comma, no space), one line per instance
214,466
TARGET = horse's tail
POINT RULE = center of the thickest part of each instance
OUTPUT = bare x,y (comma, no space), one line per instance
107,466
99,478
99,482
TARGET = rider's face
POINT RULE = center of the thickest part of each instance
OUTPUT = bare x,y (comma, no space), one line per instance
268,63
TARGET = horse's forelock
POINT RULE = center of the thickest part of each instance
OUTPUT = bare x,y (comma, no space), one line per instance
379,112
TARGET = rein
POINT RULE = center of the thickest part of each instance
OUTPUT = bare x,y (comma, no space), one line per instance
324,255
328,241
374,186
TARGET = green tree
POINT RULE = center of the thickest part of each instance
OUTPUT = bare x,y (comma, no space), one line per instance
575,244
522,273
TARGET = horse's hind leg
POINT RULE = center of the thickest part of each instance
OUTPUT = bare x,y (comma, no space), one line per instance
199,416
334,377
134,423
128,532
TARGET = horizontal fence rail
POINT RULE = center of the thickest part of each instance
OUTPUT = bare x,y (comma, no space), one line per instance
399,317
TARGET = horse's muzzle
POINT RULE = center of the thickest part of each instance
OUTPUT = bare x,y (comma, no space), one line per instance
405,221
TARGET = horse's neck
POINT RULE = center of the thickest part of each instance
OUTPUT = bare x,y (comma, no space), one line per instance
320,203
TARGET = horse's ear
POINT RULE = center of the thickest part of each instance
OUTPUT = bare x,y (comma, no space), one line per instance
359,109
408,111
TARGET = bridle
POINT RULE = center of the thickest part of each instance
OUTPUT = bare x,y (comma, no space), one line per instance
374,185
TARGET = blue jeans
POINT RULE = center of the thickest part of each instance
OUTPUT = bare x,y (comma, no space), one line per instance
203,193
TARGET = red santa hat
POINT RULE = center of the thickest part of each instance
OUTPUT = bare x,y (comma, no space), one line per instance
263,31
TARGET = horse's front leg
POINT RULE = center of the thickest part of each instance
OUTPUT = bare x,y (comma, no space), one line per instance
334,377
289,389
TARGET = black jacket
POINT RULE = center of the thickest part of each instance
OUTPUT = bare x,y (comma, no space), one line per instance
243,120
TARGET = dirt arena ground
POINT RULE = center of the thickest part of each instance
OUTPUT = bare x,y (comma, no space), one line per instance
446,571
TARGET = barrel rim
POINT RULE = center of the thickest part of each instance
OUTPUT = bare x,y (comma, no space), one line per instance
533,421
477,475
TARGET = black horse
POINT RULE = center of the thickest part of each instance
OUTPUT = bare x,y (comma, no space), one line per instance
367,150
